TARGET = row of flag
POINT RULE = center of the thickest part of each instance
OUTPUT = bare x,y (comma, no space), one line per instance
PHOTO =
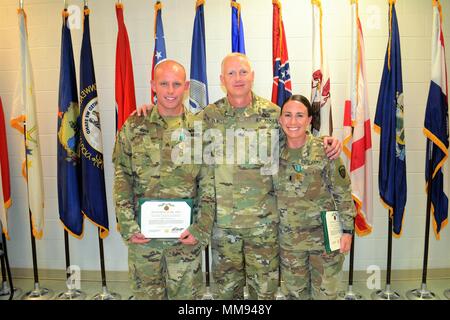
81,189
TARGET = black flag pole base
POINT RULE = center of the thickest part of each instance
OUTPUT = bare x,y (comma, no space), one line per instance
421,294
208,294
447,294
106,295
38,293
386,294
71,294
349,294
279,295
246,295
5,292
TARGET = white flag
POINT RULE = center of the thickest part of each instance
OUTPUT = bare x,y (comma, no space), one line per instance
322,123
24,112
357,132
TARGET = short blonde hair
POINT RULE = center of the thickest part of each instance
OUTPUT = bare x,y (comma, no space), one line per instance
233,55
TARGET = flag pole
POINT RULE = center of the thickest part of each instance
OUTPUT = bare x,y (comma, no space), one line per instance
72,293
423,293
105,294
387,293
350,294
5,292
37,293
208,295
279,295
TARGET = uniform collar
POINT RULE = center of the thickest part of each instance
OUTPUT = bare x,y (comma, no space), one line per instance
156,118
248,110
303,151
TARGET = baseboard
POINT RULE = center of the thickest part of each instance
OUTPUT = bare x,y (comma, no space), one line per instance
95,275
402,275
59,274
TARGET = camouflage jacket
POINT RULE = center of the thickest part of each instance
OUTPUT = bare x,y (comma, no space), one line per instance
244,197
308,182
144,169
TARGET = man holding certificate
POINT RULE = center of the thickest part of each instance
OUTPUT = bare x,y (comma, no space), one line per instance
316,209
164,209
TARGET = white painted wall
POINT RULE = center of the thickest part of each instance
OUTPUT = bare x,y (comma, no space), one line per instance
44,23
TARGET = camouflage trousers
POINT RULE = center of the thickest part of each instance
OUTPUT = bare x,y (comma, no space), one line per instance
307,271
165,269
242,257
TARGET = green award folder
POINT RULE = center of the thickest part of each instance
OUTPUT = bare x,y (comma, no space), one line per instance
332,230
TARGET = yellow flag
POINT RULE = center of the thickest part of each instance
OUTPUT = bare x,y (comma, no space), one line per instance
24,113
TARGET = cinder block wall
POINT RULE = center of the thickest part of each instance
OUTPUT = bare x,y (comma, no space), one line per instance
44,26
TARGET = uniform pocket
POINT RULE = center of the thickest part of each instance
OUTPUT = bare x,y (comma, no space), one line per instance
146,159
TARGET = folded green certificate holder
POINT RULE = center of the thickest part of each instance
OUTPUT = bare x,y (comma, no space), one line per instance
332,230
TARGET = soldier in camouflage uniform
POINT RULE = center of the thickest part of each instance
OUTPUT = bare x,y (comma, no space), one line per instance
308,183
162,268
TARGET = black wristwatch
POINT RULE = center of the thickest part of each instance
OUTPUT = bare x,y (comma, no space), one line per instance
348,231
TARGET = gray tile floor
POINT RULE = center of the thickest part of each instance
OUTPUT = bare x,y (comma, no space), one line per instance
91,288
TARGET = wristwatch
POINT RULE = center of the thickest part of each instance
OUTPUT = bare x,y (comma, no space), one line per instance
348,231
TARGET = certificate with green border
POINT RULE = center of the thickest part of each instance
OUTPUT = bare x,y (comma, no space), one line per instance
331,230
164,218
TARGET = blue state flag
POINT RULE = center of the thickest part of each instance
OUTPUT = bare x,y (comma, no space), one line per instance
389,124
93,200
436,125
159,51
68,170
198,92
237,28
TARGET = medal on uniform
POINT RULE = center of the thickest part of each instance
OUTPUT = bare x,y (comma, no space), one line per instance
298,176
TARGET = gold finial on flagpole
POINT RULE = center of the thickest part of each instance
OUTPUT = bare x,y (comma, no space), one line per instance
86,3
65,4
20,4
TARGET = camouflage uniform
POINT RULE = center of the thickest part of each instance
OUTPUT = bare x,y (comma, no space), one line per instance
307,183
244,240
144,169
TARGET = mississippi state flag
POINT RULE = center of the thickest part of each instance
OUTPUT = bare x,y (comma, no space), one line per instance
281,88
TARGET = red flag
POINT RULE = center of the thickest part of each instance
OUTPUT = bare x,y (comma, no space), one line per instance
125,96
281,87
5,186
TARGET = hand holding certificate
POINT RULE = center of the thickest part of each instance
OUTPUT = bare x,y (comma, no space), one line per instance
164,218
